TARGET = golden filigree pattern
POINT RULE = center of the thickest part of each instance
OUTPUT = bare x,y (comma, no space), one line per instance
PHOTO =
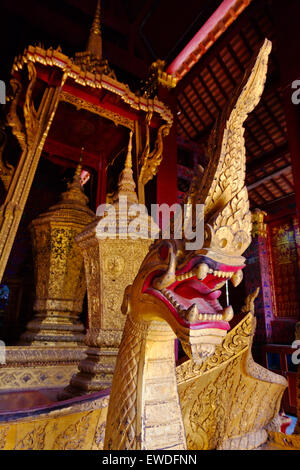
33,440
3,435
74,436
92,108
236,342
150,161
12,209
230,402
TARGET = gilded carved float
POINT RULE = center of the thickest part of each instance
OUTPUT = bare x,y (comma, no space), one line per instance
220,398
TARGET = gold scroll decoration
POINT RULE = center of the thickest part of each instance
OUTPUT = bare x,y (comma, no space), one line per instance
31,137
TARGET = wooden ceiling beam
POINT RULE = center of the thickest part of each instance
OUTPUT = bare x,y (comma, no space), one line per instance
218,83
273,117
202,101
211,96
253,136
271,195
187,117
279,188
225,39
261,126
259,196
266,158
197,115
184,129
287,182
263,180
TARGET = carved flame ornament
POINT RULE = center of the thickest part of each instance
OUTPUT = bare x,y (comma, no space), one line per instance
176,290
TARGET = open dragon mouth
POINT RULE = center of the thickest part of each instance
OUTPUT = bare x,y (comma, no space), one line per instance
193,293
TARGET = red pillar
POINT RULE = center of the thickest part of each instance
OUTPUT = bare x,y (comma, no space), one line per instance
257,274
167,173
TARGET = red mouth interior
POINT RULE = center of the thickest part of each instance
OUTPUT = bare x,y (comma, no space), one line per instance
193,291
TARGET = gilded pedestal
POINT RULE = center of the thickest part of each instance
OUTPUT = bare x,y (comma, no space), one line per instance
59,271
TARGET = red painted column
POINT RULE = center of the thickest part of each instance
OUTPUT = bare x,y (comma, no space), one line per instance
286,28
167,173
257,274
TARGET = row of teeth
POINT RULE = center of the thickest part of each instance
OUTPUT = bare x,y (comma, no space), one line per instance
193,272
192,314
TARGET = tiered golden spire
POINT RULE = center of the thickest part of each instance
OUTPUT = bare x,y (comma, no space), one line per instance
126,185
75,191
95,39
91,59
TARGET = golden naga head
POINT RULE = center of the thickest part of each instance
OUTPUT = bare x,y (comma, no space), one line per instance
182,286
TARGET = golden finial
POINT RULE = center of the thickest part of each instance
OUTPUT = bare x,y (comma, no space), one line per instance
128,162
75,191
126,185
79,166
95,39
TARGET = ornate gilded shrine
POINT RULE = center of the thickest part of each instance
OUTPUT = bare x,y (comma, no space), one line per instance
59,270
111,264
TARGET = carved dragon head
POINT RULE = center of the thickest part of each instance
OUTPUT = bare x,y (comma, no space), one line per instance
181,286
